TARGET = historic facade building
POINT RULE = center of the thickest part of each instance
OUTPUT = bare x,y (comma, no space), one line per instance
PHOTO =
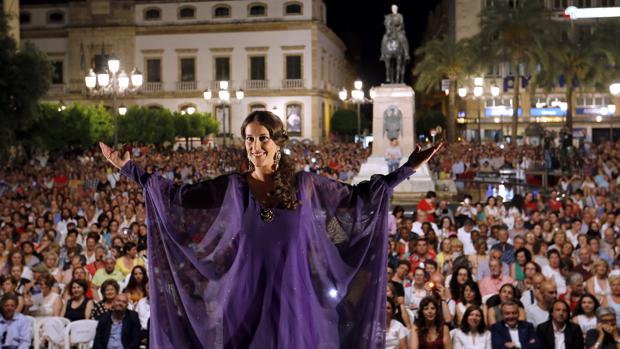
279,52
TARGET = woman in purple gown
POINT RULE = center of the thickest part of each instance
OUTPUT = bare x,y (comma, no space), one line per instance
270,258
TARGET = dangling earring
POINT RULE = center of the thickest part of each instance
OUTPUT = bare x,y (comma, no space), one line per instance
277,159
250,165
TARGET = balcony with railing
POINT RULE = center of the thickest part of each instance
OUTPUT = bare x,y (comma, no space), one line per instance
256,84
187,85
215,84
292,83
151,87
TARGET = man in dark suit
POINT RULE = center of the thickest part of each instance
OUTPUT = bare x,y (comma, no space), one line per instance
559,332
511,333
119,328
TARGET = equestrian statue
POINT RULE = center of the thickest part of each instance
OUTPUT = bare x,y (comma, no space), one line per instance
394,47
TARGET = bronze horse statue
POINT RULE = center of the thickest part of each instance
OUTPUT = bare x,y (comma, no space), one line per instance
394,47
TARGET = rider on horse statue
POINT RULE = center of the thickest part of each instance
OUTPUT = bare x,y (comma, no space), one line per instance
394,45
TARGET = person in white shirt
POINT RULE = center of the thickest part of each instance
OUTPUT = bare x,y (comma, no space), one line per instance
422,217
545,295
552,271
393,155
464,234
396,333
472,333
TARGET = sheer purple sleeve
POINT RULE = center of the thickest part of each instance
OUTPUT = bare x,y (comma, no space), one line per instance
347,251
192,243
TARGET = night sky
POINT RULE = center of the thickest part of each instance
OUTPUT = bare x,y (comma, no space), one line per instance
360,25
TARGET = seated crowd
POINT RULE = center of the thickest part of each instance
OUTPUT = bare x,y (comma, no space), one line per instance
541,271
537,272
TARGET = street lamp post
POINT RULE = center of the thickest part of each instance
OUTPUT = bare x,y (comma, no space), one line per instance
357,98
614,89
478,95
115,82
223,100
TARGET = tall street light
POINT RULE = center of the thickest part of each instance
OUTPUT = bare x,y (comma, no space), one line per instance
614,89
223,102
357,98
113,82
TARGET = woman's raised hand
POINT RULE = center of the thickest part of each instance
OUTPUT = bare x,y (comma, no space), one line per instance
419,157
113,156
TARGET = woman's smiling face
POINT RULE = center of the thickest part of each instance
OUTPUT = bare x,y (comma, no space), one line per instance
260,147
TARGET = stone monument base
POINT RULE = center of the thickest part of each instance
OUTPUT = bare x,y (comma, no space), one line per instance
419,183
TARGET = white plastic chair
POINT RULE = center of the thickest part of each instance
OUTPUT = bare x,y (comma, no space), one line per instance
81,333
54,329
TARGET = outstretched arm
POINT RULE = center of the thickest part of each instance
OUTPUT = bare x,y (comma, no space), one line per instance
205,194
417,158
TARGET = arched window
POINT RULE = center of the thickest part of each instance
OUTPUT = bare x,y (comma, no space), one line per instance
187,12
293,8
257,106
152,14
294,119
24,18
55,17
221,11
257,10
155,107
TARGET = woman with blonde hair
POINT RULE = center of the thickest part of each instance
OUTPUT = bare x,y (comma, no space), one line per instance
598,284
613,299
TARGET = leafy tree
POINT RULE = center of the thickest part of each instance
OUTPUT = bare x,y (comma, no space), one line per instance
157,126
443,58
76,126
514,34
24,78
344,122
584,58
194,125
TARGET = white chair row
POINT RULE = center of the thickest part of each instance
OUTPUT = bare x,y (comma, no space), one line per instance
61,333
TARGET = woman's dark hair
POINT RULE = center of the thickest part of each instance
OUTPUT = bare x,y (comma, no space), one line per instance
21,247
528,254
518,202
398,209
11,279
132,284
455,288
284,178
536,265
420,321
110,282
579,310
465,325
128,246
473,286
392,303
495,300
48,280
83,284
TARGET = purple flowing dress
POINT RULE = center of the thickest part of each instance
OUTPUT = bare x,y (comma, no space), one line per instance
220,277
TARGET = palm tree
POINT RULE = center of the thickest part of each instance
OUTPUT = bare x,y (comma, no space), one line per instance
514,34
584,57
443,58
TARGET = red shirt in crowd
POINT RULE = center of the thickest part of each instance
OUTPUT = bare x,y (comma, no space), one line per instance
429,208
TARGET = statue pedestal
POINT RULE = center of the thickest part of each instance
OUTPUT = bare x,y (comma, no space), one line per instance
393,101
